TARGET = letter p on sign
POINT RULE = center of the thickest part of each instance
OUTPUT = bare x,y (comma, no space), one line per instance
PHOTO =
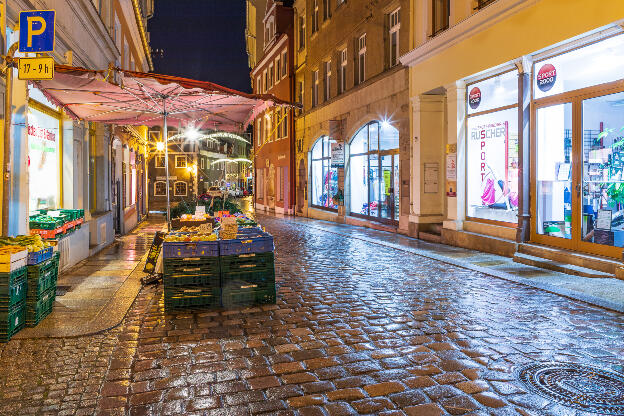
36,31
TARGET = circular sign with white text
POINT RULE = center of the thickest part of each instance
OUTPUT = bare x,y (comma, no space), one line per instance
474,98
546,77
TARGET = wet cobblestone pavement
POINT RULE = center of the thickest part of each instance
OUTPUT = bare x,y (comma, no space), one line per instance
358,329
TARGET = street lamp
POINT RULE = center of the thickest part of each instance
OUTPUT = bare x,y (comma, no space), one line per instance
160,146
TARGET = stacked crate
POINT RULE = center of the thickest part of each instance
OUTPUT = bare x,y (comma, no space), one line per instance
247,269
191,275
42,278
13,287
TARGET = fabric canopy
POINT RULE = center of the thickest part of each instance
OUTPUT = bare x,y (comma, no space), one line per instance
143,98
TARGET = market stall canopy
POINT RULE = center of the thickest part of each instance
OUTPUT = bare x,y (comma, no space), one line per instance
140,98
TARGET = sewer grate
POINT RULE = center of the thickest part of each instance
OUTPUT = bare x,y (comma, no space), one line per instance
584,387
62,290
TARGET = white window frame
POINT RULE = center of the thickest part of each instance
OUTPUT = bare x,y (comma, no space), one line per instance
342,87
315,85
180,158
259,85
271,75
259,131
175,189
265,84
164,193
328,73
202,163
278,68
156,164
284,63
395,27
362,59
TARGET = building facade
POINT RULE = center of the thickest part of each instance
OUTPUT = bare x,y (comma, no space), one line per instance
517,111
273,144
83,161
352,134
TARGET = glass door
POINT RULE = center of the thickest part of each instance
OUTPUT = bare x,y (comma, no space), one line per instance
553,175
387,190
374,187
602,197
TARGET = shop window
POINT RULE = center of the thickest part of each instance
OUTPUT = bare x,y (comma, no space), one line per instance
159,161
328,74
603,61
495,92
374,172
492,166
324,177
44,135
395,26
179,189
342,82
440,13
180,161
160,188
361,59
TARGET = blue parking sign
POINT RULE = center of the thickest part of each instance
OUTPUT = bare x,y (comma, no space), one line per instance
36,31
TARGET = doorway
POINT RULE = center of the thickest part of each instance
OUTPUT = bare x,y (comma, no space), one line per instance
578,171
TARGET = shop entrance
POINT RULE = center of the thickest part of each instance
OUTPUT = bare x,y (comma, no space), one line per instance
578,170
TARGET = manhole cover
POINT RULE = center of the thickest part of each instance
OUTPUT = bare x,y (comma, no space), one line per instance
579,386
62,290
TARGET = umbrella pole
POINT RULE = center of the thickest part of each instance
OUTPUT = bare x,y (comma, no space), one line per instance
165,139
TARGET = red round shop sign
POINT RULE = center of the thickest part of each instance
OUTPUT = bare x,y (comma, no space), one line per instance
474,98
546,77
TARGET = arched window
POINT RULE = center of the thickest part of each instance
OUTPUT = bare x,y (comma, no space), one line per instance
324,177
374,172
160,188
179,189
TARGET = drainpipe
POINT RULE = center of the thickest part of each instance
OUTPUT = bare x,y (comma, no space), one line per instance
6,166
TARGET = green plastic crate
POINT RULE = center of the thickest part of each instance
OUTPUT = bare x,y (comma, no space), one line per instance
15,293
191,298
247,262
36,311
204,271
12,321
37,286
239,293
37,270
9,279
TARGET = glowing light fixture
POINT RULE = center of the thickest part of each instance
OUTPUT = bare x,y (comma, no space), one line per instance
192,133
160,146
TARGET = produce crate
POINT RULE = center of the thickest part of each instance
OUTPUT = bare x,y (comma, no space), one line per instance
37,311
240,293
174,267
37,270
39,224
259,242
38,285
191,298
15,292
12,320
37,257
247,263
12,258
10,278
190,249
48,234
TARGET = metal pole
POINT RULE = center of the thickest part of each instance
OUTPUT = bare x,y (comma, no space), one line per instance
165,140
6,160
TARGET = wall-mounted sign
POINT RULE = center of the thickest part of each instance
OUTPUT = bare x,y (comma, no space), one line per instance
36,31
474,98
36,68
546,77
337,155
432,171
164,178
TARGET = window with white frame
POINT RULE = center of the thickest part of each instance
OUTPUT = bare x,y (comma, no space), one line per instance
361,59
265,81
395,26
315,17
160,188
284,125
271,76
202,163
327,65
159,162
180,188
326,9
259,85
302,31
284,63
315,85
300,94
278,69
259,131
342,82
180,161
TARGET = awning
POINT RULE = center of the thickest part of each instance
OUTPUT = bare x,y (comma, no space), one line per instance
143,98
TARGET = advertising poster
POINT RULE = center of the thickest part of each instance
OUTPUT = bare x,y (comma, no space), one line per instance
43,161
337,155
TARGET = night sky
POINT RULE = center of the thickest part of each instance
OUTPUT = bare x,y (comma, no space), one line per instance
201,39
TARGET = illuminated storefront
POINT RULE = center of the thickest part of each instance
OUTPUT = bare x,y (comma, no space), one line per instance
324,177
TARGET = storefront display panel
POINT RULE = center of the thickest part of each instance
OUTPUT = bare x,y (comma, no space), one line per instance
492,166
359,184
603,169
324,177
495,92
43,160
554,170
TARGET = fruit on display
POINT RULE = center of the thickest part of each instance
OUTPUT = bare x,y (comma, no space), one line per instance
184,238
32,243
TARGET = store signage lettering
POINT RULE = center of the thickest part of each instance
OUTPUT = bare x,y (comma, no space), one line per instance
41,133
546,77
485,134
474,98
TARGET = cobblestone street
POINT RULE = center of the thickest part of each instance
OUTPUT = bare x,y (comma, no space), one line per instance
358,328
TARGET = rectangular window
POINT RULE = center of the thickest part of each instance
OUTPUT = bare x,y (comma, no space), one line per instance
302,31
258,85
342,82
160,188
395,26
159,161
179,189
180,161
284,63
440,13
362,59
278,69
315,17
202,164
259,132
482,3
327,80
300,95
315,85
271,76
278,191
265,81
284,125
326,9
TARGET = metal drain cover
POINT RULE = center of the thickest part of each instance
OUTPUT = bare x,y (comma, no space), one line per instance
62,290
584,387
